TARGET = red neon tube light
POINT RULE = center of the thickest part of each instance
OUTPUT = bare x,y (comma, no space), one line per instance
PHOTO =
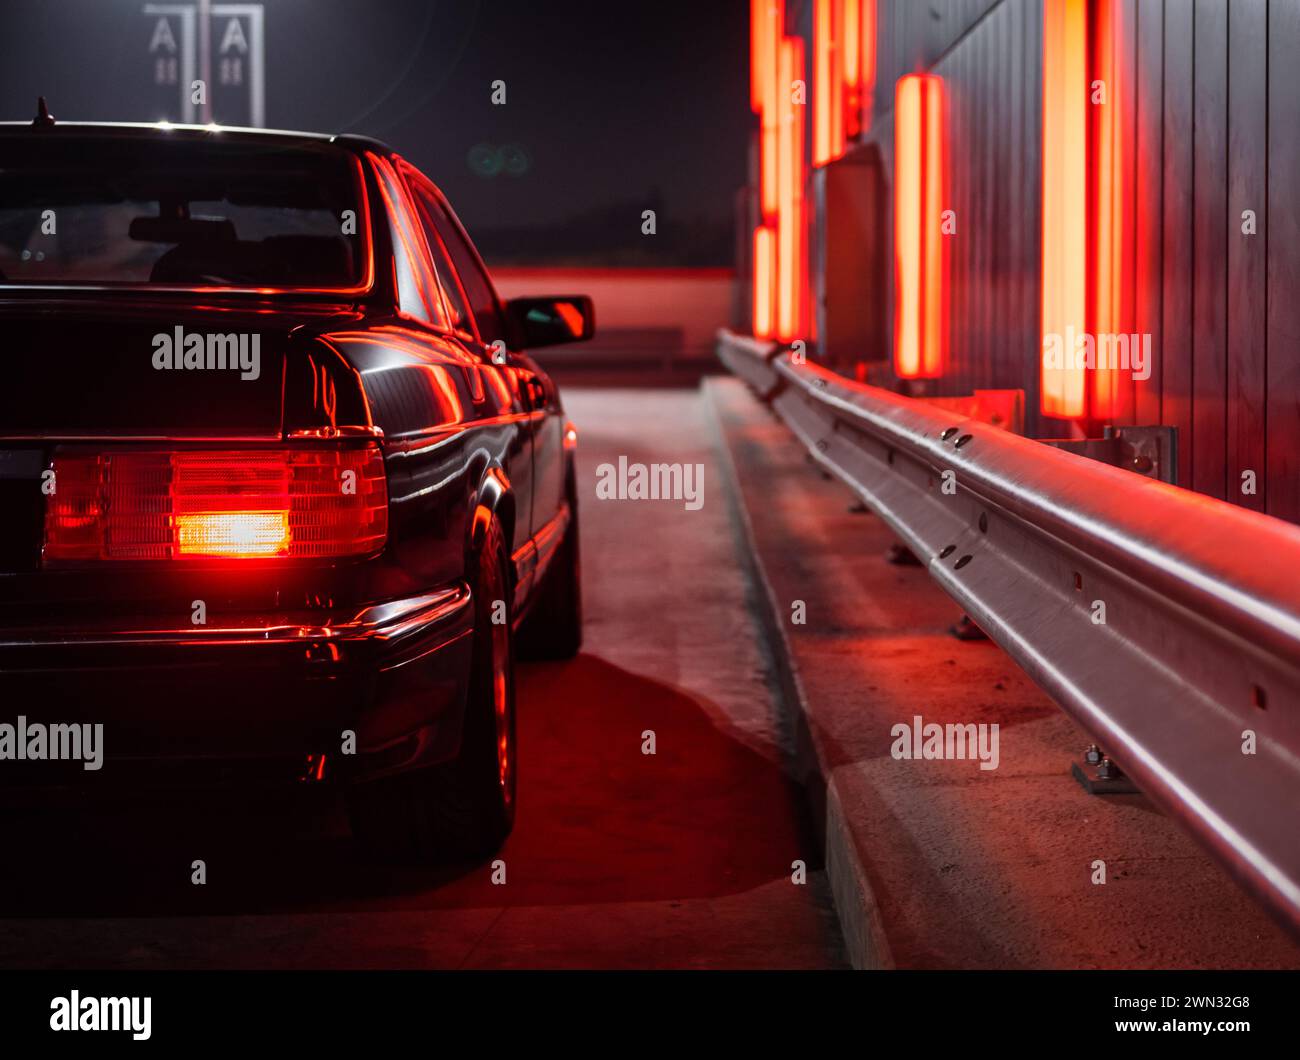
920,323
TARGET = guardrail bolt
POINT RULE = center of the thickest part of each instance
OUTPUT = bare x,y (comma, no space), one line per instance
1102,776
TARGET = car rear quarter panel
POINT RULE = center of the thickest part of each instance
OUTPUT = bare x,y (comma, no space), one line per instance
454,437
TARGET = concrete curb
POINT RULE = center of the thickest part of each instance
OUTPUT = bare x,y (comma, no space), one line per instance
859,913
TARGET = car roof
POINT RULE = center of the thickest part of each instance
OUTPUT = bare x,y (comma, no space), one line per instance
349,141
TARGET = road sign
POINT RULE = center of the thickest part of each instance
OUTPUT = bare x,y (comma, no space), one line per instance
208,61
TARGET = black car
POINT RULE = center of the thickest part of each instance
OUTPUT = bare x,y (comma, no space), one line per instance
280,486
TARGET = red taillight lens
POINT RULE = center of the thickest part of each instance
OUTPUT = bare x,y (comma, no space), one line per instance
242,504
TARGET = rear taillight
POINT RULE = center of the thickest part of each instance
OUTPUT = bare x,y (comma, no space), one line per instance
206,504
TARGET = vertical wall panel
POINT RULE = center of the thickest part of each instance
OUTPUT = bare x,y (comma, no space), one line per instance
967,222
1010,371
1178,175
1209,240
1148,199
1124,98
1284,259
954,126
979,77
1032,203
1209,127
953,70
1002,226
964,259
1247,255
962,64
1012,103
991,83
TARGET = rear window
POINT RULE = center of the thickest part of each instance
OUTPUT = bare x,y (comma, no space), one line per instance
172,210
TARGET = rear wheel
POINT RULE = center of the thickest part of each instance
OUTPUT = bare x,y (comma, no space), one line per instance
464,808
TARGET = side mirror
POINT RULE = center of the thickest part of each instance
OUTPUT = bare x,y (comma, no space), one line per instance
551,321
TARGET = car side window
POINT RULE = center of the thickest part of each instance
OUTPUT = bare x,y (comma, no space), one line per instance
417,287
482,298
447,280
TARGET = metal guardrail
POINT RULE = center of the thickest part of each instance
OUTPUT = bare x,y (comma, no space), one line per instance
1200,644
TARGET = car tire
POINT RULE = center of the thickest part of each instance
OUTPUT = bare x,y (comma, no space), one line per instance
553,628
462,809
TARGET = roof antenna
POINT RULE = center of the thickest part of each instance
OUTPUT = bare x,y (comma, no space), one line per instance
43,119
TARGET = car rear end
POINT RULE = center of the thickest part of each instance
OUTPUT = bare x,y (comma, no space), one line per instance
196,574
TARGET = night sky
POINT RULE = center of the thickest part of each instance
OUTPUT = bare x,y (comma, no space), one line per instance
611,108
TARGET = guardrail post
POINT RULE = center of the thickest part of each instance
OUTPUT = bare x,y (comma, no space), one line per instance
1150,451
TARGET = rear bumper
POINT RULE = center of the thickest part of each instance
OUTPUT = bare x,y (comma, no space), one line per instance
255,695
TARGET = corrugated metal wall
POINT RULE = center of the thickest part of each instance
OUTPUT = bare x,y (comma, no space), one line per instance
1211,127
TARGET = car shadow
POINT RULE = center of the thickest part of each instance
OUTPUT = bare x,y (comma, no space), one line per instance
600,821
